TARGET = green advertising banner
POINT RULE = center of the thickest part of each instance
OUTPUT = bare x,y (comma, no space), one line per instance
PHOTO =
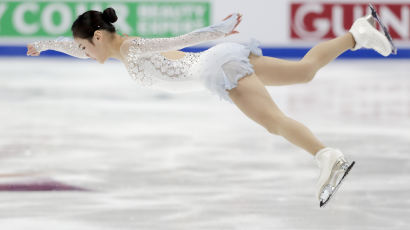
146,19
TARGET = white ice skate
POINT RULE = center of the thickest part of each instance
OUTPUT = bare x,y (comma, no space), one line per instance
333,169
366,35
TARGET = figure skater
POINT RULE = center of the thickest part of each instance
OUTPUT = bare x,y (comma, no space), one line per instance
237,73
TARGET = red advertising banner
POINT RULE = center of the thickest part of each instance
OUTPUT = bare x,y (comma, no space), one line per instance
316,21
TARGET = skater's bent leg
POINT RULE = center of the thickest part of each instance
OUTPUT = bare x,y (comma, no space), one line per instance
252,98
326,51
274,72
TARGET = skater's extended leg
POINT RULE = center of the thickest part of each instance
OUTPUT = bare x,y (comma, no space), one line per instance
252,98
273,71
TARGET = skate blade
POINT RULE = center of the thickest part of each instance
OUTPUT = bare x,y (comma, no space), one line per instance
323,203
385,30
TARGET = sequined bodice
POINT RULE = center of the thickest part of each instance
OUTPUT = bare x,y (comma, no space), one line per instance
147,69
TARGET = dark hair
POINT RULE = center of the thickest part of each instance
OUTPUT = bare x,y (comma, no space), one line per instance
87,23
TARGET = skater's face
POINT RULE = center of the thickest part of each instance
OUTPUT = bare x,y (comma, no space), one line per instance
95,50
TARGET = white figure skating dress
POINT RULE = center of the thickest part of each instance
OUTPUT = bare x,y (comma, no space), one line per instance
217,69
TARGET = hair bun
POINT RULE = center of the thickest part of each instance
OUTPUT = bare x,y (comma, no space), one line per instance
109,15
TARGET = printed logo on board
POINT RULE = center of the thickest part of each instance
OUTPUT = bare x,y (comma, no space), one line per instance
50,18
315,20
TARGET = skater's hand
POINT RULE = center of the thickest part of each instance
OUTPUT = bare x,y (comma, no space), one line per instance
238,21
31,51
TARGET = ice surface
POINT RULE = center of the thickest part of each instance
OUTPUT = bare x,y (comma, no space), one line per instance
154,160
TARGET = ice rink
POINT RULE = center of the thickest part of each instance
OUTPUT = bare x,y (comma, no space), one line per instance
83,147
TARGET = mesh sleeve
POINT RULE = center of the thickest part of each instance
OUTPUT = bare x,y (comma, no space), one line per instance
64,45
144,45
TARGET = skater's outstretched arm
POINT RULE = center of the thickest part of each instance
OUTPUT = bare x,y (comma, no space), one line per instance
219,30
64,45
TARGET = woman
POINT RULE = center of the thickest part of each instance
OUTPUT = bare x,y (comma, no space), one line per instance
235,72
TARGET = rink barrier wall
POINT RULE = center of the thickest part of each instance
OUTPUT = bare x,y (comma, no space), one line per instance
279,52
